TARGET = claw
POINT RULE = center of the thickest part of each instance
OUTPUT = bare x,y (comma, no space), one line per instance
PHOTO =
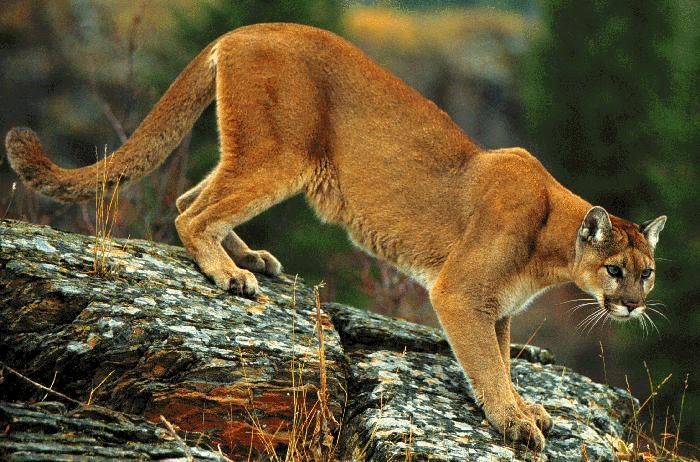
541,416
259,261
526,431
518,425
245,286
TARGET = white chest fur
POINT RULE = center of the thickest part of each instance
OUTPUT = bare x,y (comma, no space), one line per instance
518,297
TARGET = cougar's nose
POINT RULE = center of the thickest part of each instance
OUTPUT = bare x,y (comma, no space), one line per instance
632,304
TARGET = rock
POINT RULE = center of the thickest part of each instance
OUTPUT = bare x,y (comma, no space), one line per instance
48,432
411,398
361,328
153,337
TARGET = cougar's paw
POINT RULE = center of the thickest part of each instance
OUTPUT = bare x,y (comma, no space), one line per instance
524,429
259,261
518,426
239,282
540,416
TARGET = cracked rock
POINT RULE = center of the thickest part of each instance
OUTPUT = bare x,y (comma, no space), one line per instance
154,337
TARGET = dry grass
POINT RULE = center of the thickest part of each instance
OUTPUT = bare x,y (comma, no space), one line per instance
530,338
94,389
173,434
360,453
312,435
642,443
648,445
9,202
106,215
48,390
408,455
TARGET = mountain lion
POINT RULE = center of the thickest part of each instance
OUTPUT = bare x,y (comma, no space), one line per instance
300,109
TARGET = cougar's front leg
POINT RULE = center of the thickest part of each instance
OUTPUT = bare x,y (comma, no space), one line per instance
467,305
536,411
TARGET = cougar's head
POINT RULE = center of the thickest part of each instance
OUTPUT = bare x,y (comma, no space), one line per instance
615,263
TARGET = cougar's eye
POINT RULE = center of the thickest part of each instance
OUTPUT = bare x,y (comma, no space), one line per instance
614,271
646,273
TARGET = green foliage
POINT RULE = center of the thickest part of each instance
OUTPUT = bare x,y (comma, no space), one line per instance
674,175
591,84
613,106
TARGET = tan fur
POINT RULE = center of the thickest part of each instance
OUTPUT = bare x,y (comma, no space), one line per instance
300,109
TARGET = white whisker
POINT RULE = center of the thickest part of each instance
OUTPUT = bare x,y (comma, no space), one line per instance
657,312
589,299
587,303
580,325
590,319
652,323
600,316
642,325
590,315
578,307
603,316
646,324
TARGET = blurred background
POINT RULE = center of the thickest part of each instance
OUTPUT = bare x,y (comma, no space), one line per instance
605,93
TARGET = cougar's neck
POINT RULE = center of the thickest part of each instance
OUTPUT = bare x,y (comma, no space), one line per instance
557,243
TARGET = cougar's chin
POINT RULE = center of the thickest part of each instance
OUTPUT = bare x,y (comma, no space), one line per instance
621,313
615,311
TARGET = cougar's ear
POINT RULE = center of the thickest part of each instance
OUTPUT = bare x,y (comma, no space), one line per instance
596,226
652,229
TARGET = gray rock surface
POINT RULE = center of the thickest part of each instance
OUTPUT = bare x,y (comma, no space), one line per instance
158,337
409,398
154,337
49,432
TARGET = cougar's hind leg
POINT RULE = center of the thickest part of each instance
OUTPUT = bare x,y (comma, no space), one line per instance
226,201
268,120
259,261
189,196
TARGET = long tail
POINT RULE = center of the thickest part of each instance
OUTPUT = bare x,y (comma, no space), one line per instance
150,144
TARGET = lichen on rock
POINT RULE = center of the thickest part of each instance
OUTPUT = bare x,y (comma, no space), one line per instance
414,400
162,338
47,431
155,337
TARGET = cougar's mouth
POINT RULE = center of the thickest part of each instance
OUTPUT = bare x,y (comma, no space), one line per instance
615,311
